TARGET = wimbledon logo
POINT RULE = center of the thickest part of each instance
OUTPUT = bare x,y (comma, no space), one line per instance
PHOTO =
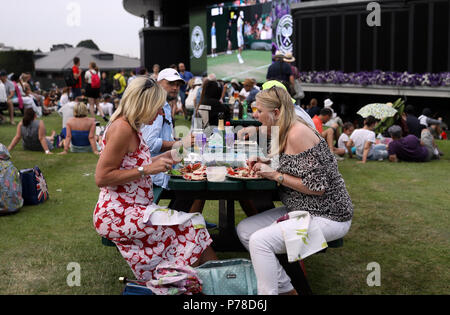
283,34
197,42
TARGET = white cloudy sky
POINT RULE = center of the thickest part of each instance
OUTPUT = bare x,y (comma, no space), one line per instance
33,24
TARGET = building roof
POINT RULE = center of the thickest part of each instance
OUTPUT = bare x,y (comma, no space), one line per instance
58,60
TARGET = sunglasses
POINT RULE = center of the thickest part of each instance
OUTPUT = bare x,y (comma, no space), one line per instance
148,84
275,88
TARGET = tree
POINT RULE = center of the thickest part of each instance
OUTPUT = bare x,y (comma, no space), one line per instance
88,43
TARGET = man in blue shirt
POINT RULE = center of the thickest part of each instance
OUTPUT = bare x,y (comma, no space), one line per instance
159,135
186,76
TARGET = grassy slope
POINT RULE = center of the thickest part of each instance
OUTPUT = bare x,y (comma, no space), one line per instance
401,221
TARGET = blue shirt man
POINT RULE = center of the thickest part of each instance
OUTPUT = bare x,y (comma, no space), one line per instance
159,135
154,135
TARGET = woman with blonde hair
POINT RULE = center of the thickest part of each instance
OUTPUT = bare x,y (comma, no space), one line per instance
125,213
308,179
80,132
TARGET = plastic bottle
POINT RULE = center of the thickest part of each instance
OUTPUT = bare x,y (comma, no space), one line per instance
221,129
229,137
236,110
244,109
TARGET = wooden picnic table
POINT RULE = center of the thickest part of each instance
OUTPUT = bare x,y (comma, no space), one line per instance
261,192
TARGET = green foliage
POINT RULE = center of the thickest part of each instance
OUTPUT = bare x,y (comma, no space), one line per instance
387,122
88,43
17,61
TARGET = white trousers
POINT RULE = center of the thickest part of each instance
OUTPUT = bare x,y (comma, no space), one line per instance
264,241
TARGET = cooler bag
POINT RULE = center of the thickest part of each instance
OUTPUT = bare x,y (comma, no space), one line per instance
228,277
34,186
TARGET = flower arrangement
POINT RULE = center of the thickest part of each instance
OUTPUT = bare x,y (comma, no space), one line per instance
377,77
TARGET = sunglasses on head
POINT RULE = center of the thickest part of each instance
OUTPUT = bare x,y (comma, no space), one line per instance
149,83
275,88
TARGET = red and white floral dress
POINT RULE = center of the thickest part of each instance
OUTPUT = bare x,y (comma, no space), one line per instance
119,217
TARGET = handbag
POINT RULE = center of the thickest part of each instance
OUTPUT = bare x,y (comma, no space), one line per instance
34,186
10,186
299,94
228,277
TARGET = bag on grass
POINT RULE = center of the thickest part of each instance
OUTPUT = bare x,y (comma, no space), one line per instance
10,186
228,277
34,186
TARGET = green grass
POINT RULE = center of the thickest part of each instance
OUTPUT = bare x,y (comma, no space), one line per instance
401,221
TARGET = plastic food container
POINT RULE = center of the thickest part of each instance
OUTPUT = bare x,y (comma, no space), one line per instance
216,173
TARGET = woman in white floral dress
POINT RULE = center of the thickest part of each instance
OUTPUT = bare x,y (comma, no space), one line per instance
123,174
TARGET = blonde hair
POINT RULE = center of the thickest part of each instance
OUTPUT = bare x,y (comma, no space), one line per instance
140,104
80,110
277,97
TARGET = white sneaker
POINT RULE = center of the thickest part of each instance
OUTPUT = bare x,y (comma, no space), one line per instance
241,61
338,158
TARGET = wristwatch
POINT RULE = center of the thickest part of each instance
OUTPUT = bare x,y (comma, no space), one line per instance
280,179
141,171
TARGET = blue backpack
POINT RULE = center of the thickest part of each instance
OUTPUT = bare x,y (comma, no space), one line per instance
34,186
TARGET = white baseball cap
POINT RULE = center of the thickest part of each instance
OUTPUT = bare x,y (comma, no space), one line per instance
170,75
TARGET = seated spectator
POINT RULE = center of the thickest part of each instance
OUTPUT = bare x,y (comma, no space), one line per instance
426,120
106,106
249,91
347,130
312,109
364,141
66,112
24,97
229,88
192,93
330,133
32,132
409,148
412,121
6,95
64,97
80,131
211,98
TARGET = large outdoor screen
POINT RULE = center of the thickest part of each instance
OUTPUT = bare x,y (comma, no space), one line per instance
239,40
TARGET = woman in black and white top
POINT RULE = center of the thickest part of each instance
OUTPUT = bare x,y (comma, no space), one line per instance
309,181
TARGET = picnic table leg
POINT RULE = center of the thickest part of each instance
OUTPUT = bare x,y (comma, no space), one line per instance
297,275
227,239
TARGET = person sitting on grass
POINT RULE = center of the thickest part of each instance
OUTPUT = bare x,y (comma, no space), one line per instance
330,133
364,141
32,132
123,213
347,130
410,148
80,132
